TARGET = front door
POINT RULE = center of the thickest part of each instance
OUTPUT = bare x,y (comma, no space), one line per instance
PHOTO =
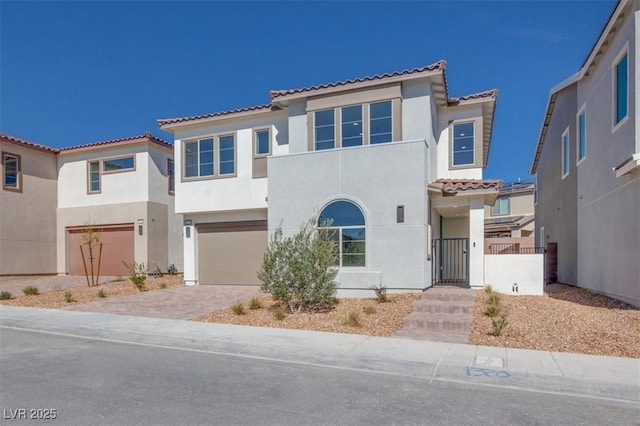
450,261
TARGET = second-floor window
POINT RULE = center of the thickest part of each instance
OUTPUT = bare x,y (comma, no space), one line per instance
11,180
93,168
621,89
582,135
171,176
565,153
501,206
118,164
463,144
353,125
210,157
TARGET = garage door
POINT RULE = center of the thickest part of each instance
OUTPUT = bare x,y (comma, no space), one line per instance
117,246
231,252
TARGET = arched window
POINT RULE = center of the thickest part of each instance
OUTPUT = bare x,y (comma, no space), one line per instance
346,223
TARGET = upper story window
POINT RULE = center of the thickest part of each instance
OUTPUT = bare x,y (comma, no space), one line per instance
621,89
93,174
12,172
565,153
119,164
501,207
209,157
171,176
354,125
347,227
582,135
261,150
463,144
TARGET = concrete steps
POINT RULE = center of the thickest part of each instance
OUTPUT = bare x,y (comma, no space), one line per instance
442,314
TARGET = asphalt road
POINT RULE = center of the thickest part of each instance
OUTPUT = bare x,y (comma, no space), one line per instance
97,382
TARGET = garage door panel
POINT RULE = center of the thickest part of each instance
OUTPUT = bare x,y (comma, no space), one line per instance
231,256
117,246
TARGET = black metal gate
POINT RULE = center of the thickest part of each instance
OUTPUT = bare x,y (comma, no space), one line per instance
450,261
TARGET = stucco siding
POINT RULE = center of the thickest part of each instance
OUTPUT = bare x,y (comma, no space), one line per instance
28,218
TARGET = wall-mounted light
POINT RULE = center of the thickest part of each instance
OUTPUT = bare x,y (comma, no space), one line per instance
187,228
140,225
400,214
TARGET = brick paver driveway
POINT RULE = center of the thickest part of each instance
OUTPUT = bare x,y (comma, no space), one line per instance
185,302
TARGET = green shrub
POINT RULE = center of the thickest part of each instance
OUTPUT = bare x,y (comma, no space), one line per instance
300,270
280,314
102,293
381,293
494,299
493,311
353,319
369,310
137,274
255,303
238,309
6,295
488,289
334,301
498,324
31,290
68,297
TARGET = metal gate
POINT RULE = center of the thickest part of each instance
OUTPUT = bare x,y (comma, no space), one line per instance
450,261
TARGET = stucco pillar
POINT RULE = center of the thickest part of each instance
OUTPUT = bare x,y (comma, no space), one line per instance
190,244
476,242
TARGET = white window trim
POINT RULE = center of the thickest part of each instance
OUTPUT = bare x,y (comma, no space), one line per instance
614,91
562,145
583,110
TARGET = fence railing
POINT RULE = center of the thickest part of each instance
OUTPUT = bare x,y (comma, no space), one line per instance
513,248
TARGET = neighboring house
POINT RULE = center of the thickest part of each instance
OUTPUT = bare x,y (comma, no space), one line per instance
392,160
509,224
587,165
28,200
122,188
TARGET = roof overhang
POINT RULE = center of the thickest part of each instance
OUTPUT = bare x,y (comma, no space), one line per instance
171,124
629,165
465,188
27,144
133,140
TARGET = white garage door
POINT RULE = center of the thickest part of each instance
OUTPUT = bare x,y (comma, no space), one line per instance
231,252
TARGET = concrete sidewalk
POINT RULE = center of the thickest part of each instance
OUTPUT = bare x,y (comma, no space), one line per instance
539,371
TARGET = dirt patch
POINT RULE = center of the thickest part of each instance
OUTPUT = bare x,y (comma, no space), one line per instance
386,320
56,298
565,319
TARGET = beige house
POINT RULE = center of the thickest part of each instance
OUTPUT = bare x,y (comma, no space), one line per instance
510,223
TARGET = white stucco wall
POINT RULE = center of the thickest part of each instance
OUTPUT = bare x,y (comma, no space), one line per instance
445,116
515,274
377,178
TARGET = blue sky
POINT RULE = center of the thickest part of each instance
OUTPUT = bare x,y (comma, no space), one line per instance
80,72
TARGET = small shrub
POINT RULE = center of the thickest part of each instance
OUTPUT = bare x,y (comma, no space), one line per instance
163,285
137,274
334,301
381,293
238,309
255,303
353,319
498,324
280,314
369,310
494,299
68,297
31,290
6,295
172,269
488,289
493,311
102,294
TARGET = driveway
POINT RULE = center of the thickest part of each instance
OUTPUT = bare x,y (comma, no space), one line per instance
185,302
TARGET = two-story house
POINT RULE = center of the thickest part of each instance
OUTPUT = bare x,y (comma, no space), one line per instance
587,165
123,189
391,160
509,224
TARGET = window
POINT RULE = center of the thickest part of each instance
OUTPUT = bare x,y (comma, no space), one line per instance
621,89
262,142
353,125
118,164
463,144
171,176
565,153
582,135
12,174
501,206
213,156
94,176
347,226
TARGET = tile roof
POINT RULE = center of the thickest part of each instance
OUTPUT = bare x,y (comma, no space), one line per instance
480,95
452,186
165,121
139,138
440,65
28,144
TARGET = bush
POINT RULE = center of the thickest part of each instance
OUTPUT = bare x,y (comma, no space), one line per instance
498,324
381,293
488,289
280,314
6,295
238,309
102,293
137,274
353,319
162,285
68,297
300,270
255,303
494,299
369,310
31,290
493,311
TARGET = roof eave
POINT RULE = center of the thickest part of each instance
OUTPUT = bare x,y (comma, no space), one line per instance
169,125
